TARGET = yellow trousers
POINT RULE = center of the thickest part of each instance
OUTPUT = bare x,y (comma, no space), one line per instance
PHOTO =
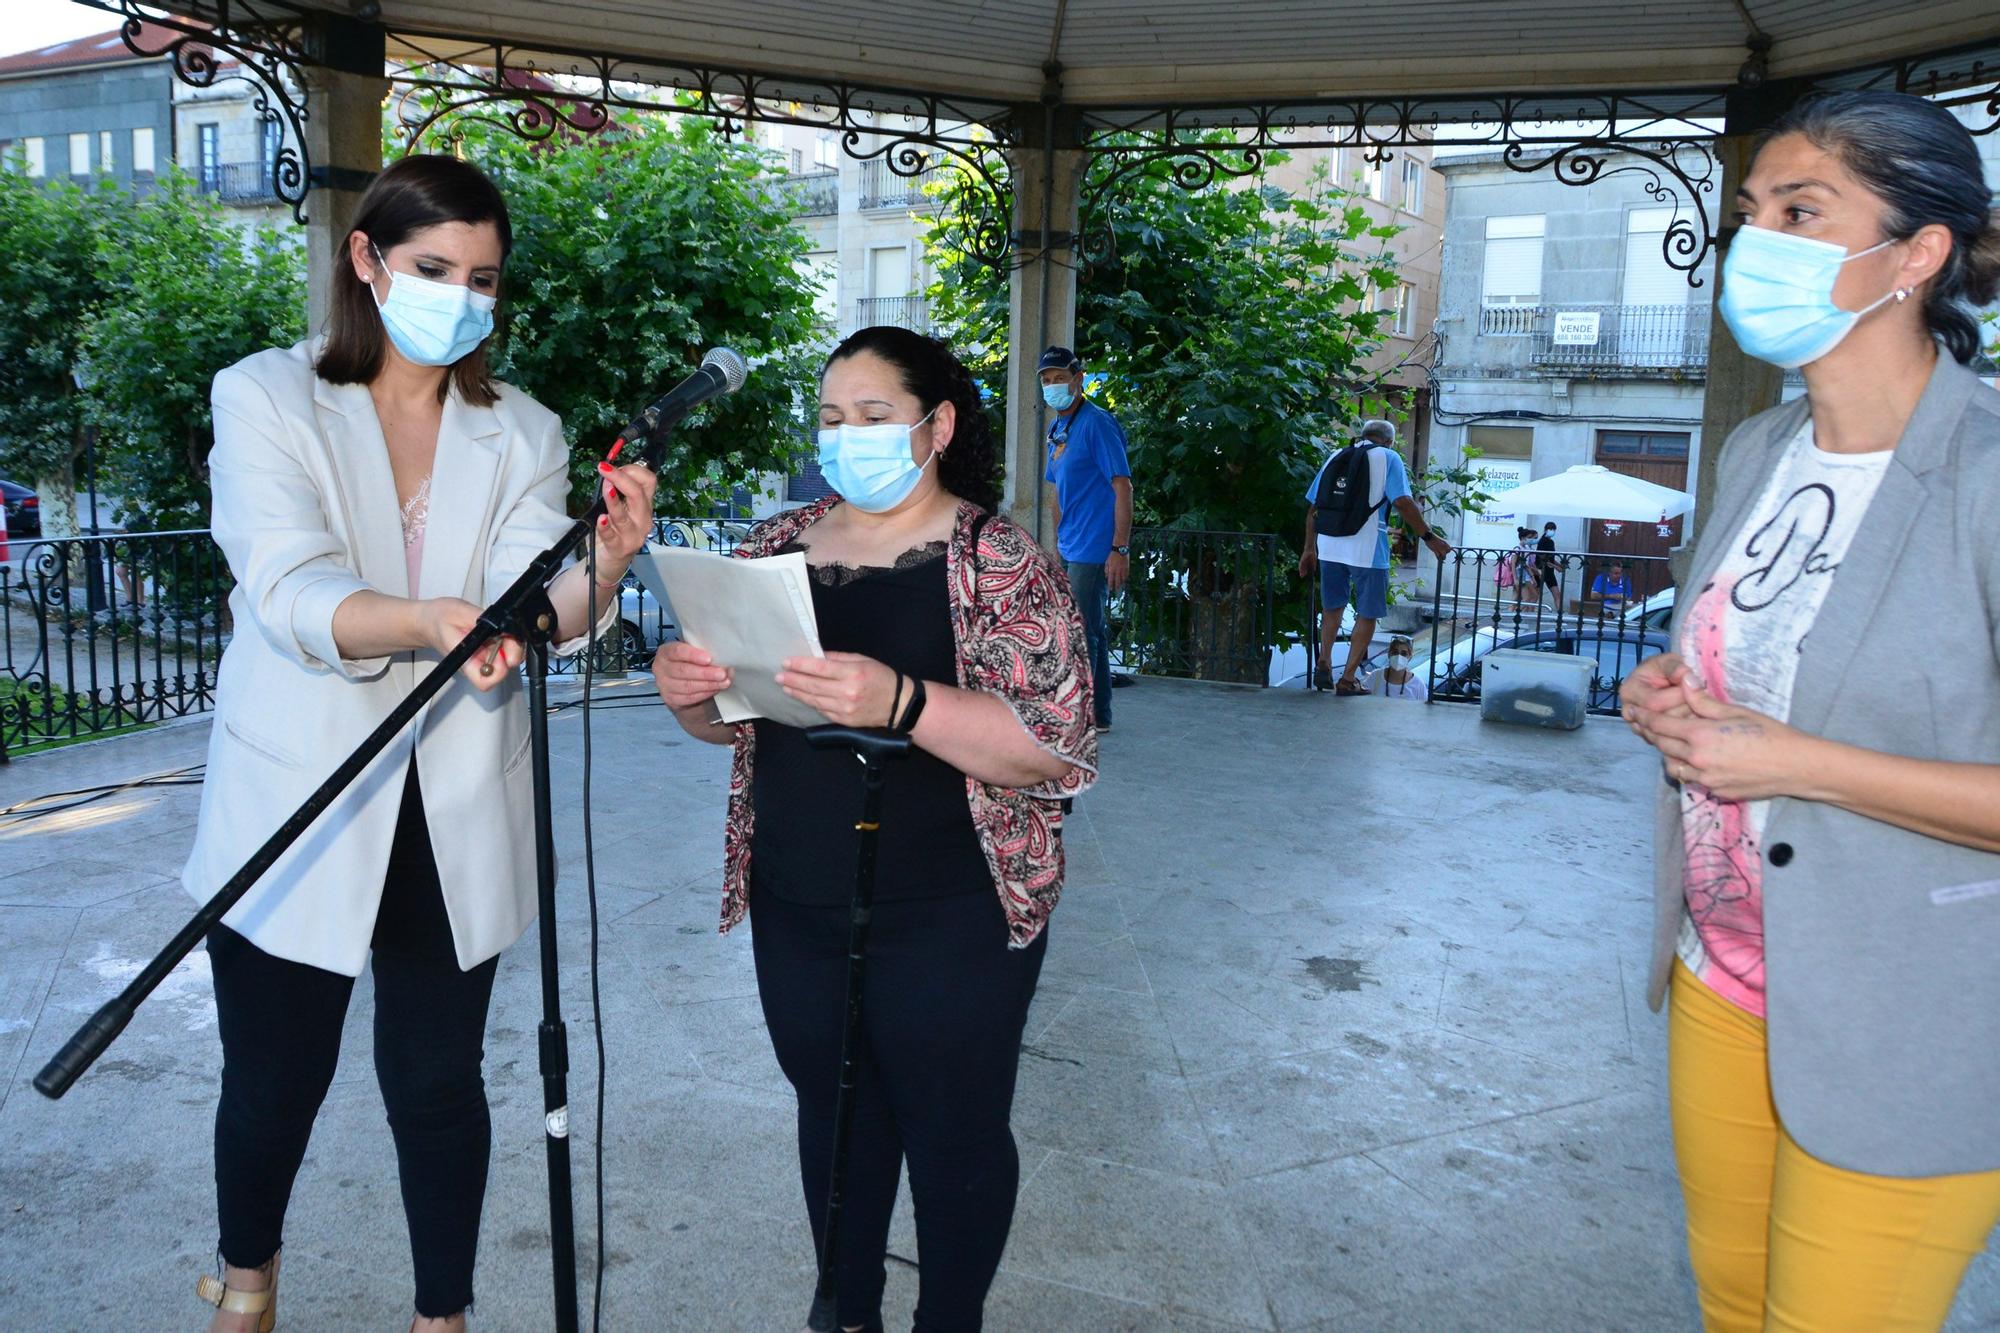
1780,1240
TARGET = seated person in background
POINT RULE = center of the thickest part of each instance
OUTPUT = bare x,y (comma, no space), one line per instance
1613,587
1396,680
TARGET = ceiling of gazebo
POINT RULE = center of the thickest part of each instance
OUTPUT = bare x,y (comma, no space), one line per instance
1164,52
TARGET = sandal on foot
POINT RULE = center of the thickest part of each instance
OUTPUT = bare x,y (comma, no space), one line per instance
1347,687
233,1301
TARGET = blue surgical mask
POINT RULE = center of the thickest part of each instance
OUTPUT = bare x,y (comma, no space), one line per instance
870,465
1058,396
434,323
1777,295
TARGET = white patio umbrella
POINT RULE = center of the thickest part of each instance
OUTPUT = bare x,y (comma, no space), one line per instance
1596,492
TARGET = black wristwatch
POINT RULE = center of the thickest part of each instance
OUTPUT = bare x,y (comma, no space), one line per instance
1121,550
916,708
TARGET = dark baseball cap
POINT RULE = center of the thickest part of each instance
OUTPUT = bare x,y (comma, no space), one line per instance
1060,358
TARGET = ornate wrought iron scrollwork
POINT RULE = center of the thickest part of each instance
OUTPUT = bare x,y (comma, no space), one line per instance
554,92
1687,163
266,42
1191,166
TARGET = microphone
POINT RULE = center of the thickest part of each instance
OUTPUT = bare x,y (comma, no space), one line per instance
722,371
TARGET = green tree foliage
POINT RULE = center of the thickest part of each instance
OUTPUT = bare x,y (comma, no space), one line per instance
636,250
187,292
47,282
1231,323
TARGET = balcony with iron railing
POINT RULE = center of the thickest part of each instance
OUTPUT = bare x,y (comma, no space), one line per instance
903,312
811,194
238,182
881,187
1599,338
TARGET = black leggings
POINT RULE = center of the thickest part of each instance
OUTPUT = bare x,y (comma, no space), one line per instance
281,1024
943,1010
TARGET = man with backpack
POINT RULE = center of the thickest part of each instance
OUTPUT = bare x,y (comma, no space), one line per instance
1347,536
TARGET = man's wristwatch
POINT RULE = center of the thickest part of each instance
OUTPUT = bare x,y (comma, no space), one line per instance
1121,550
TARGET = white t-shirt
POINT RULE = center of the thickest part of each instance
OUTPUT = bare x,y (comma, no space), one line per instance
1741,635
1413,688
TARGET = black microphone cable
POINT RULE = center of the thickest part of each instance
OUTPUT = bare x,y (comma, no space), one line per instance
590,889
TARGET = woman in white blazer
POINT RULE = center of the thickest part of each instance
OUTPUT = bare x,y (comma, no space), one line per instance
371,492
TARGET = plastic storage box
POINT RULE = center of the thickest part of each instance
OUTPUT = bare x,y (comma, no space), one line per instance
1535,689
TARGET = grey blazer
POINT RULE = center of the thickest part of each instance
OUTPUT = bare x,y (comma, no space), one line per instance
1882,946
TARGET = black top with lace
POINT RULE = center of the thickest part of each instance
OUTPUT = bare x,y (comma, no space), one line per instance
834,574
806,801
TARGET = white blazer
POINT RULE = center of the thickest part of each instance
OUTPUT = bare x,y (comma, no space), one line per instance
305,511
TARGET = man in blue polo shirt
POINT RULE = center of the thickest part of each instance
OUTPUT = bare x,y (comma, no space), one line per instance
1093,484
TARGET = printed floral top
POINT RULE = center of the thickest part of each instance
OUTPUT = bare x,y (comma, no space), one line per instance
1020,638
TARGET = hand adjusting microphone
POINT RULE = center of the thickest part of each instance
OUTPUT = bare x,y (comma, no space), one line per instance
722,371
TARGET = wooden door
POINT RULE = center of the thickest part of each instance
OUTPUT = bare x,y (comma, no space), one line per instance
1660,457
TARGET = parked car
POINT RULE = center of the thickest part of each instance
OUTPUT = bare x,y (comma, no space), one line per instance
24,509
713,535
1615,649
1656,612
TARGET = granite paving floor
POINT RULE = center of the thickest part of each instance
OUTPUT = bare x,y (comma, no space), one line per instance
1342,1027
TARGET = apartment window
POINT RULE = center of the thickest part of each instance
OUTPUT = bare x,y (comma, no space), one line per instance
1643,444
1513,273
1406,309
106,159
1413,186
274,139
34,151
1378,181
1649,279
142,151
79,154
822,270
798,159
889,271
208,155
1395,302
825,152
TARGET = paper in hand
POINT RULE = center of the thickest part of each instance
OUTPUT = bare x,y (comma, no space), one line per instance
748,615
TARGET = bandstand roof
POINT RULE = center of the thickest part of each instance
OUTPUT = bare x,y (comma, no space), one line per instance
1174,52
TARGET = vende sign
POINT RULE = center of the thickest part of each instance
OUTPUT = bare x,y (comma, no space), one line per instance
1575,328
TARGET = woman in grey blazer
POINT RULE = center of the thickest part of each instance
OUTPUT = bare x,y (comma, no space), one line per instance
1829,832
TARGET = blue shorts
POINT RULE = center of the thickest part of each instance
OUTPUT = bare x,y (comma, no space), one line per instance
1370,588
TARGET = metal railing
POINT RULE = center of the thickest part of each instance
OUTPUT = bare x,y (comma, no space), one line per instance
1198,605
238,182
107,633
881,187
1542,601
903,312
1595,336
811,194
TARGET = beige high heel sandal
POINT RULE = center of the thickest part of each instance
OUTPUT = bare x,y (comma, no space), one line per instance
233,1301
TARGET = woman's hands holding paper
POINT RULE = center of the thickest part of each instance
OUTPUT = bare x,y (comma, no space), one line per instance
847,688
686,676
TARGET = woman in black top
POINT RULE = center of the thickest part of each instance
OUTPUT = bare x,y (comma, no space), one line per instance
944,621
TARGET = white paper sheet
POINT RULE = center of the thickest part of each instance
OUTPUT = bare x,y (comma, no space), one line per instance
749,615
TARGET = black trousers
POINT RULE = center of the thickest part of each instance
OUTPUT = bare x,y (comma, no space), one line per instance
943,1010
281,1024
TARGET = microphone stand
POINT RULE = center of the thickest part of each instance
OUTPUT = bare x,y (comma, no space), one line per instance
523,611
872,747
